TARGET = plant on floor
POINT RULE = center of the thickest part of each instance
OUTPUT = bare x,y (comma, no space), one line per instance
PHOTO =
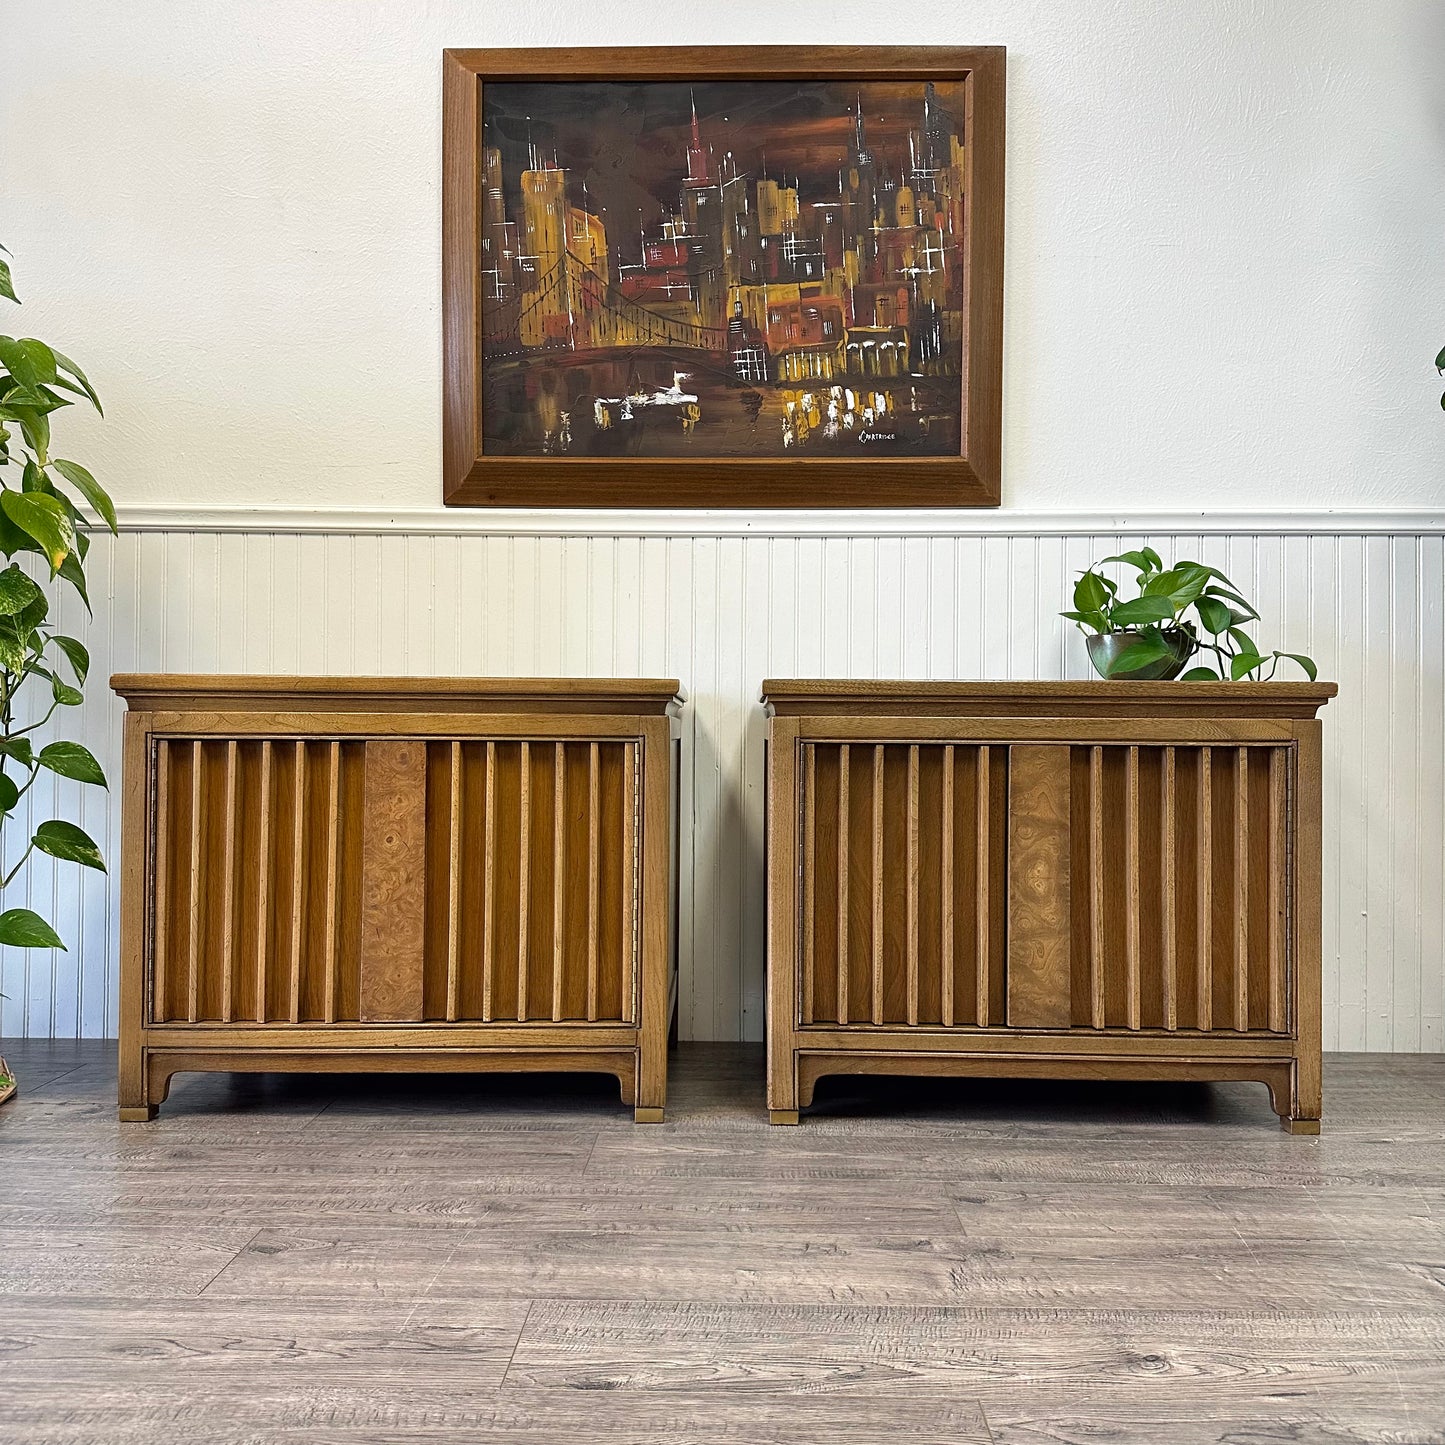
38,519
1149,638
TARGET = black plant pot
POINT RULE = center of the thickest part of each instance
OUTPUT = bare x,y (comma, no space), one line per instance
1105,647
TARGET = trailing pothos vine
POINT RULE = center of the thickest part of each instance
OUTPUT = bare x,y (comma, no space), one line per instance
41,670
1157,615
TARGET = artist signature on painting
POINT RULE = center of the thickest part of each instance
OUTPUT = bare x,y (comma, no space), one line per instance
878,436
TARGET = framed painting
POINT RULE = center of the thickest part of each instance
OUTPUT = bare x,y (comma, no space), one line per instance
718,277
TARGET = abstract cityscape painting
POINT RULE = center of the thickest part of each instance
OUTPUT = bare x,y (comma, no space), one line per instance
757,274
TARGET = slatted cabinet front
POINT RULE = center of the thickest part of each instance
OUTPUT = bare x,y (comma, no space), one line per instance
902,881
1067,880
1102,887
315,881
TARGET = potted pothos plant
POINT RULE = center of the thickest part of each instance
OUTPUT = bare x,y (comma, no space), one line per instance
41,670
1180,612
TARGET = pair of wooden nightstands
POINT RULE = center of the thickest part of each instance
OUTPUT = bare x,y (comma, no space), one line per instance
1075,880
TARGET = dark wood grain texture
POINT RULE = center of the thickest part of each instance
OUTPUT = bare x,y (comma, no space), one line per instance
471,478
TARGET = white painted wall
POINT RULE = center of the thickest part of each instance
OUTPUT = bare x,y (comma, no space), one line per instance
1224,293
1224,230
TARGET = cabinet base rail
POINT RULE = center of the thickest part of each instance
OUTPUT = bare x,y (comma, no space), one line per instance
1279,1075
145,1088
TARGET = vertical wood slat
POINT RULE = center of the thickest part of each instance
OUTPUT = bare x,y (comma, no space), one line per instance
263,885
524,882
912,884
489,881
982,845
1204,921
594,873
947,866
1096,887
1169,924
1278,1020
844,753
454,881
298,859
1132,898
333,825
631,806
808,881
559,874
1241,891
193,942
876,960
159,962
228,888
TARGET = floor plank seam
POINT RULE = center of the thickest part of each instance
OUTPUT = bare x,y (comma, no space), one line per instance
57,1078
239,1252
596,1139
516,1345
466,1234
987,1428
324,1109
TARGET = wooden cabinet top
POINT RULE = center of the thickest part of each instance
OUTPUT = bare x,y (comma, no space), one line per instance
1096,698
238,692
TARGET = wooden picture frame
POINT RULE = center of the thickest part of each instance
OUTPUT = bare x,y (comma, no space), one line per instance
479,473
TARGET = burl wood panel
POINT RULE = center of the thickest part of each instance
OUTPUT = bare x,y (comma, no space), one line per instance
393,910
1039,888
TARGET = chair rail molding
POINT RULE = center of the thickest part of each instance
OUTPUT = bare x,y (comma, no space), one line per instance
901,522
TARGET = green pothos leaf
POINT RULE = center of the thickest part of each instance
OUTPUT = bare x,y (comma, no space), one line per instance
45,519
76,653
17,591
71,760
20,928
67,842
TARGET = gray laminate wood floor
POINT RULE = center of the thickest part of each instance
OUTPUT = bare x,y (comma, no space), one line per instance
356,1260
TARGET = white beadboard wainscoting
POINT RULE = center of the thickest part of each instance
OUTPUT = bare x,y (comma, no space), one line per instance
724,601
